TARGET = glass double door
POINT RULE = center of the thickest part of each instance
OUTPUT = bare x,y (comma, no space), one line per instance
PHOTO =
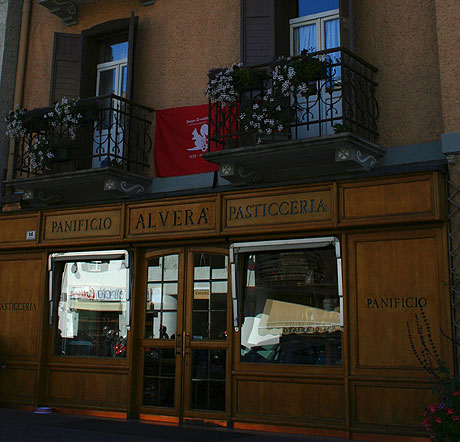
186,333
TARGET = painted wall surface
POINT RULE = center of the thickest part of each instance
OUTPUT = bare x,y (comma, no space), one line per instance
448,18
10,23
178,41
399,38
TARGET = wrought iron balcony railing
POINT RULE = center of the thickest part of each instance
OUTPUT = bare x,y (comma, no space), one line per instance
113,131
342,100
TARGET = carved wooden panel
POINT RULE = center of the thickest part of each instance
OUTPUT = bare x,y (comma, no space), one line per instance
278,210
88,388
389,200
393,278
86,225
172,218
393,405
18,231
17,384
20,309
291,399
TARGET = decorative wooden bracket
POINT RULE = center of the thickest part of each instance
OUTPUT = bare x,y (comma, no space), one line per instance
67,10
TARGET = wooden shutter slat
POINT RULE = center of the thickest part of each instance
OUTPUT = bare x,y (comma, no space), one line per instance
66,66
258,31
131,45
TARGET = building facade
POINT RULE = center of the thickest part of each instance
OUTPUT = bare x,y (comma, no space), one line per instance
301,281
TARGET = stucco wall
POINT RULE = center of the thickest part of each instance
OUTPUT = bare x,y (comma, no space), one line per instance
448,20
10,22
399,38
178,41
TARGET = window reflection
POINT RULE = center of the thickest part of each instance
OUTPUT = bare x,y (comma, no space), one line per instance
291,308
210,296
162,291
92,309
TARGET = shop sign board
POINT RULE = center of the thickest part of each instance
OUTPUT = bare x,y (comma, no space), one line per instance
92,293
272,209
73,225
172,217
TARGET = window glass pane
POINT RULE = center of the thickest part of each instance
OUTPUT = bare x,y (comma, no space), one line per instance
92,309
119,51
162,293
171,267
159,375
307,7
113,49
208,380
124,75
305,38
332,33
209,312
291,308
107,81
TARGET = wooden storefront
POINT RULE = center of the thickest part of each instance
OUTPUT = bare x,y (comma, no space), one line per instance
393,243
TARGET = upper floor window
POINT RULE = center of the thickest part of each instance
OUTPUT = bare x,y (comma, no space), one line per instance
112,66
113,49
266,27
316,28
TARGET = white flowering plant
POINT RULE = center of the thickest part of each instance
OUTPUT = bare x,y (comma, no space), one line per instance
69,113
296,75
21,121
46,130
268,116
38,154
227,85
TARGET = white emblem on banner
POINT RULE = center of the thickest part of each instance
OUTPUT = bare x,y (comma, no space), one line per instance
200,139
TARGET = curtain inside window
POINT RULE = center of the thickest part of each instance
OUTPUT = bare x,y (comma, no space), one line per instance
332,33
306,39
332,40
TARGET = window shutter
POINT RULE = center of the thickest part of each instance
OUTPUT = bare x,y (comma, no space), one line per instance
346,24
66,66
257,31
265,29
131,46
285,10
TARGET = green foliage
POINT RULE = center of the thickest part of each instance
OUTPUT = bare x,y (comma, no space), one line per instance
340,128
245,79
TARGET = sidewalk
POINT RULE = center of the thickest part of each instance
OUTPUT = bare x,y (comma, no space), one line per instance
25,426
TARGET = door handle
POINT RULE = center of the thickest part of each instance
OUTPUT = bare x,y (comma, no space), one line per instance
186,342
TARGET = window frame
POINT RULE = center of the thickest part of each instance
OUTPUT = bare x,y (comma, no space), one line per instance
55,276
288,244
318,19
236,260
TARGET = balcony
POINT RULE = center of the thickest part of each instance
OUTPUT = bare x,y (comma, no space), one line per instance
283,126
67,10
104,155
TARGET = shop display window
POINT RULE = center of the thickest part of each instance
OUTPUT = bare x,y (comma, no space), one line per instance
289,301
90,303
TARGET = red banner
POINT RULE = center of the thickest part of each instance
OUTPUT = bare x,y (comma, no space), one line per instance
181,137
